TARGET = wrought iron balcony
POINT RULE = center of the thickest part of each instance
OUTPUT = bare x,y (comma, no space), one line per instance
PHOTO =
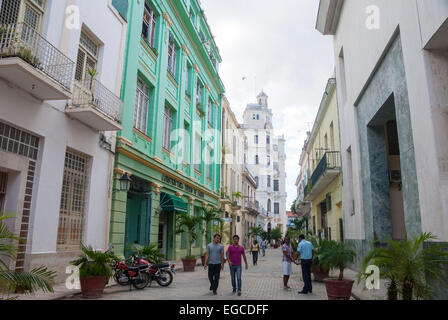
96,106
326,171
251,205
32,63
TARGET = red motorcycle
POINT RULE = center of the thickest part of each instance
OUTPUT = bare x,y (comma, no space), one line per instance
136,274
162,273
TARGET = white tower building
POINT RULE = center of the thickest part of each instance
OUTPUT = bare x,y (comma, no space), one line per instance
265,158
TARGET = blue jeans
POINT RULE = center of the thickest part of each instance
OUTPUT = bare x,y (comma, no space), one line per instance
235,271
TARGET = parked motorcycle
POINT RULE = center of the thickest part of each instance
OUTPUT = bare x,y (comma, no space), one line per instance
161,273
136,274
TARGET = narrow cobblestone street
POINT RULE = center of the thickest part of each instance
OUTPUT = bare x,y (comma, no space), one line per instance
261,282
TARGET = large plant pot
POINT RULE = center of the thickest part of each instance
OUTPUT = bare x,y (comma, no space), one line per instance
93,287
189,264
338,289
319,273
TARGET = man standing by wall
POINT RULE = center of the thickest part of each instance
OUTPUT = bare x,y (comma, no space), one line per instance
214,260
306,254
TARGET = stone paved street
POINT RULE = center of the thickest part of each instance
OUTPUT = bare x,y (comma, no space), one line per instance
262,282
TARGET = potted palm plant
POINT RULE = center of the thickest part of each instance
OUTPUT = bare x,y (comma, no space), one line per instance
320,272
336,255
94,271
236,195
409,266
189,224
12,281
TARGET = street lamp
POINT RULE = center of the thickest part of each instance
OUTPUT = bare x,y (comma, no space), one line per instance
125,182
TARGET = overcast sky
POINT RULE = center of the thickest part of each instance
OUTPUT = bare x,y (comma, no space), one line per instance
276,43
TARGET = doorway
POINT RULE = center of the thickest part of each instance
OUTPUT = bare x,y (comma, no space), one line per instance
163,233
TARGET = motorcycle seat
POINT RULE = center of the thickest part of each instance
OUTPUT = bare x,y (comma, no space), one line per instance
162,265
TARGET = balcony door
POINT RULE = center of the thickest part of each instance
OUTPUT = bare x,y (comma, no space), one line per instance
324,219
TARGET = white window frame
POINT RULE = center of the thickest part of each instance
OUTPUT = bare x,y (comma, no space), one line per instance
172,56
168,116
150,25
142,99
88,54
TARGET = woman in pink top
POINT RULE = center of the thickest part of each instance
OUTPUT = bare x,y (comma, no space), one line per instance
234,254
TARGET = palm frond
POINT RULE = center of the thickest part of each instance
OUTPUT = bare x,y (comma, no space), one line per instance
37,279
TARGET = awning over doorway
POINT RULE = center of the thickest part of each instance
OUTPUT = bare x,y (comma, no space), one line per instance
171,203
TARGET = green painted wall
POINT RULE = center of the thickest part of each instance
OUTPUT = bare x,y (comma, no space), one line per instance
143,155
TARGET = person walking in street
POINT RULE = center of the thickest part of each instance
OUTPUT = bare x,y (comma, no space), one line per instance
306,255
255,251
286,261
263,247
234,254
214,261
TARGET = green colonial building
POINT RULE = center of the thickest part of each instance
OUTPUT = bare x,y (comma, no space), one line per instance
170,143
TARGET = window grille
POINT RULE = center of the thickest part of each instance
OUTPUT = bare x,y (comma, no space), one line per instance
73,201
87,57
18,142
141,106
198,153
9,11
210,113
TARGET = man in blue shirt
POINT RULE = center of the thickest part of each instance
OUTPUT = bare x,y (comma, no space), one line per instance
306,254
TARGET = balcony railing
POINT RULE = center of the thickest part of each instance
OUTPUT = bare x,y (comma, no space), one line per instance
22,41
93,93
330,161
249,204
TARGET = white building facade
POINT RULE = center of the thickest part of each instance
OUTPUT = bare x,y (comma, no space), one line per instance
392,75
265,157
56,124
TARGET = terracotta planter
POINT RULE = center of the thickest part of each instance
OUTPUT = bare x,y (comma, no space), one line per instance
319,274
92,287
338,289
189,264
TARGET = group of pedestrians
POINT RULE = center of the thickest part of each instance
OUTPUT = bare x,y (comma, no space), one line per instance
216,258
306,253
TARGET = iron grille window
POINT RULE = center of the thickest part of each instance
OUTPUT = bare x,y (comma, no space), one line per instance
87,57
168,123
141,107
18,142
73,201
172,56
149,25
269,182
256,139
9,11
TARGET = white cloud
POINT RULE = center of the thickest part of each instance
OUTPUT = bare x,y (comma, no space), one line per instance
276,43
